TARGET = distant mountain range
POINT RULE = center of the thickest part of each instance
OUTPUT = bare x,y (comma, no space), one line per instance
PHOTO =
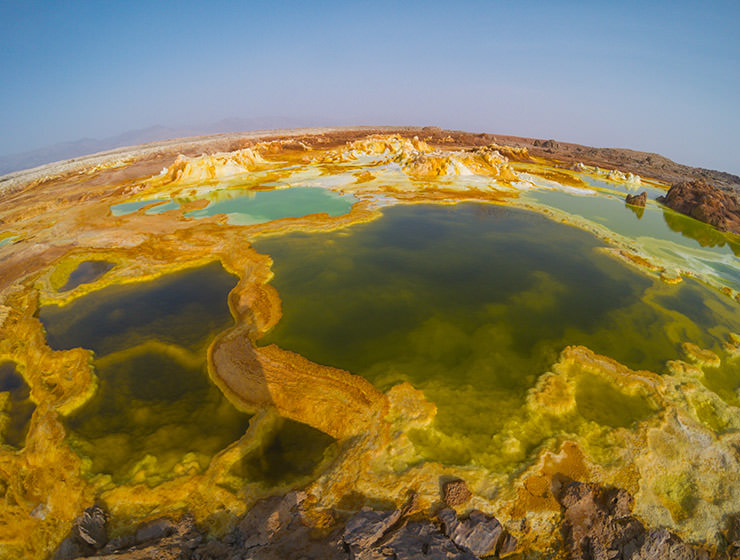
85,146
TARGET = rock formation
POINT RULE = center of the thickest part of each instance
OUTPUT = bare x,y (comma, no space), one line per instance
636,199
188,171
706,203
277,529
456,493
598,524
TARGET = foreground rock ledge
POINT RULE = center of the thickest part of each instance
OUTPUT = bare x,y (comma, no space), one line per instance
597,523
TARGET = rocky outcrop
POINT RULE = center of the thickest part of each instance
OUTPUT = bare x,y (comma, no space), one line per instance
706,203
371,535
88,535
480,534
209,167
552,144
420,161
636,199
277,528
598,524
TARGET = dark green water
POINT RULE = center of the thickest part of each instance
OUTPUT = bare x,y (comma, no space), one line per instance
156,409
295,450
471,303
688,243
16,408
155,398
185,308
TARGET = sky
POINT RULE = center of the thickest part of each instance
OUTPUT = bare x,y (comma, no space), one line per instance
658,76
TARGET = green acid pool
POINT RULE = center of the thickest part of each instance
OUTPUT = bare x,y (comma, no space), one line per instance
155,403
245,206
676,239
156,411
472,303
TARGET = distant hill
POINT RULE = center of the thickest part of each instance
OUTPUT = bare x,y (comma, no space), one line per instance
85,146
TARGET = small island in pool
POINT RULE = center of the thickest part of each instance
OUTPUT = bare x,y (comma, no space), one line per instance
369,343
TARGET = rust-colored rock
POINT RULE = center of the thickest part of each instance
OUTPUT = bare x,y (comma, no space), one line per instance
636,199
705,203
456,493
598,523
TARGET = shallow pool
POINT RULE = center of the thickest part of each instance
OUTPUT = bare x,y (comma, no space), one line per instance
245,206
155,407
672,237
472,303
86,272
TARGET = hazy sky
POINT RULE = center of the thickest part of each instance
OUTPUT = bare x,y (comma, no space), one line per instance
663,78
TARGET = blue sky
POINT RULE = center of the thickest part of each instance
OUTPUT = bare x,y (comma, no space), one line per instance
663,77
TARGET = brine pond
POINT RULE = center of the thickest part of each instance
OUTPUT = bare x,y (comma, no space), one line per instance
678,239
472,303
246,206
156,412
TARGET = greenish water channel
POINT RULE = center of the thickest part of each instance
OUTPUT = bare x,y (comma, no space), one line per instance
8,240
246,206
130,207
676,238
156,408
471,303
16,406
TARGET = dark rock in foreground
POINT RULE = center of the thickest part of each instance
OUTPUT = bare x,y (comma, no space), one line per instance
598,525
705,203
276,529
87,536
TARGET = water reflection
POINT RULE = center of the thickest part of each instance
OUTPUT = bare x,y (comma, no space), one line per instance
86,272
705,235
16,406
